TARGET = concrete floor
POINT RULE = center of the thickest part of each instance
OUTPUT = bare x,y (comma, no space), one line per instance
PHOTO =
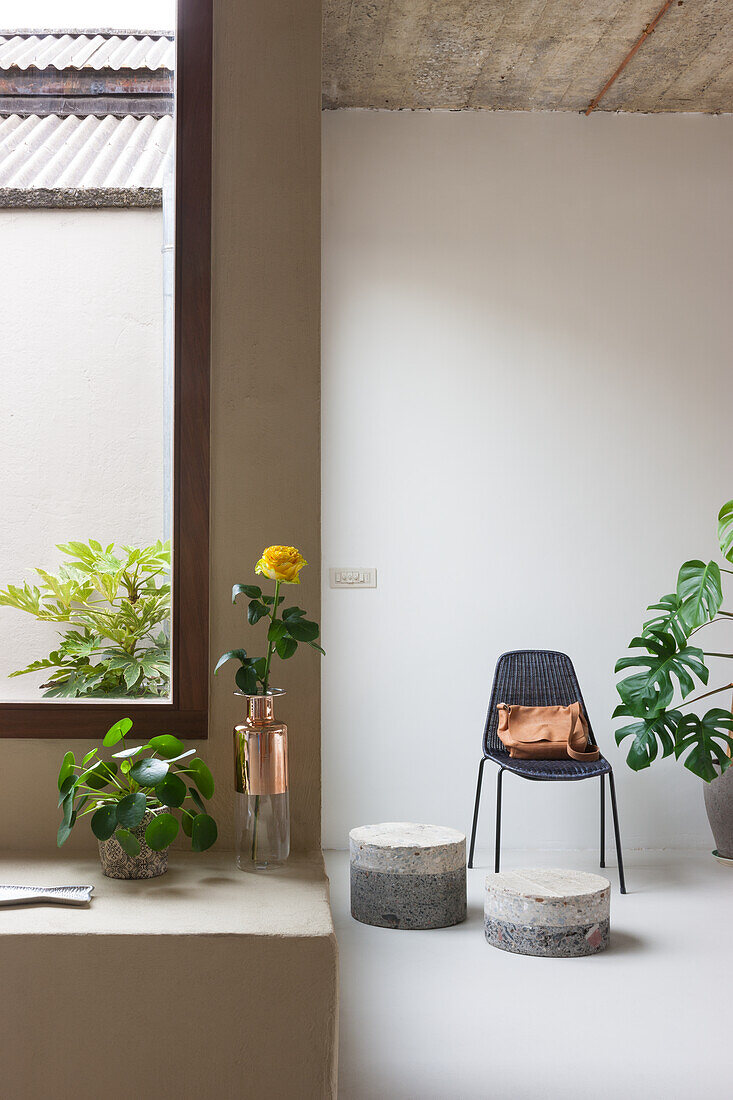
440,1015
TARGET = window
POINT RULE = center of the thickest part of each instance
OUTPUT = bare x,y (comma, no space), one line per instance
111,430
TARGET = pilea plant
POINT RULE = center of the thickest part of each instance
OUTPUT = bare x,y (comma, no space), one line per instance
119,792
116,605
667,668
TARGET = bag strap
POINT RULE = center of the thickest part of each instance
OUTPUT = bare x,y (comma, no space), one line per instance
592,751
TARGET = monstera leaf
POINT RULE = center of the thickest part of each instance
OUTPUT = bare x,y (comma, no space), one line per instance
648,734
699,591
725,530
701,737
669,621
654,687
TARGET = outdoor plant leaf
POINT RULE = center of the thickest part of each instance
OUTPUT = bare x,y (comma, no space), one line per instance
204,832
149,771
700,592
709,742
663,660
725,530
161,832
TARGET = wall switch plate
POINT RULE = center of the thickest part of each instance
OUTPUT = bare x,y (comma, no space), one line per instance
353,578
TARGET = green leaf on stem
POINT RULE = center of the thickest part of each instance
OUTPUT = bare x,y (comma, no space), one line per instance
67,768
197,799
204,832
292,613
124,753
202,777
63,834
701,737
116,732
128,842
725,530
276,631
256,611
231,655
700,592
171,791
100,775
149,772
161,832
88,757
253,591
104,821
302,630
131,809
187,822
68,785
285,647
167,745
648,734
654,687
246,680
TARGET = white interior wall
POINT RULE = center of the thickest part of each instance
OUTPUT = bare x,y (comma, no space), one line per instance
526,397
81,363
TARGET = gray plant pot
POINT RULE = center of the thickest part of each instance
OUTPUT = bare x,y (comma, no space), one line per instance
149,864
719,806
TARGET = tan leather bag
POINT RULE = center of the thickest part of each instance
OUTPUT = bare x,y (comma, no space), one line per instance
546,733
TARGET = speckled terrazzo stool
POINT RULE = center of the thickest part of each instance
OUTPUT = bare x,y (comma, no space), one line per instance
408,876
557,913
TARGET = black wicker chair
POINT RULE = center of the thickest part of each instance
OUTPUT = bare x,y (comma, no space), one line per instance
539,678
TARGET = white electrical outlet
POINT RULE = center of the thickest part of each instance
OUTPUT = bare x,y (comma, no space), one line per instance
353,578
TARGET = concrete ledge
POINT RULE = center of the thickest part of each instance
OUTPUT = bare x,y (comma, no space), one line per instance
206,981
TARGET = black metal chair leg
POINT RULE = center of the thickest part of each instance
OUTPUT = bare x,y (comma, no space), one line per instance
603,820
497,854
475,810
619,854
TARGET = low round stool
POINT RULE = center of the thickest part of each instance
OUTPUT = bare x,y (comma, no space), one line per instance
405,875
555,913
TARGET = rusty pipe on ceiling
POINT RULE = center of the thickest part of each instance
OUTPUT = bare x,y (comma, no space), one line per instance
642,38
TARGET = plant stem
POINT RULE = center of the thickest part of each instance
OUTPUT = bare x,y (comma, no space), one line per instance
728,655
270,644
254,831
716,691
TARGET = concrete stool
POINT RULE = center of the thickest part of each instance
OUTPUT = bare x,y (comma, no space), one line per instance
556,913
408,876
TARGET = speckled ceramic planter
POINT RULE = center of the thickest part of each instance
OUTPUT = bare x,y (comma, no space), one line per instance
405,875
551,912
149,864
719,806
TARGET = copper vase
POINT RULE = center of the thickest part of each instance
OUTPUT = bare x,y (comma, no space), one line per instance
262,811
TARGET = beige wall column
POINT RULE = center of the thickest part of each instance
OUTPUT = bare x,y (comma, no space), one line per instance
265,365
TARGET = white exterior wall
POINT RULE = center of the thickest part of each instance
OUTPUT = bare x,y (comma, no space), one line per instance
81,360
526,429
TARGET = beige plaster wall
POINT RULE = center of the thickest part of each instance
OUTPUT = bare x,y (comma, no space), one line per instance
265,389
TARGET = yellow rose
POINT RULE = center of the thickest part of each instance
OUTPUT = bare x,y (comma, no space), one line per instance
281,563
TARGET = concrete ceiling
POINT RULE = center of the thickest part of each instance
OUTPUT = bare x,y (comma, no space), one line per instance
527,55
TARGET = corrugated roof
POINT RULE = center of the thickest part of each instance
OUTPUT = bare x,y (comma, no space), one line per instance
86,51
87,153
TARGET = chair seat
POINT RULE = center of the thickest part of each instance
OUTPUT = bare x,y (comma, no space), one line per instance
551,769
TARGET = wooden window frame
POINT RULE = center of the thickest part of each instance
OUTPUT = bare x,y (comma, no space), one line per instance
187,713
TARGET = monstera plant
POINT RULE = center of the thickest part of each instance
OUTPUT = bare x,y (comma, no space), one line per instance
668,662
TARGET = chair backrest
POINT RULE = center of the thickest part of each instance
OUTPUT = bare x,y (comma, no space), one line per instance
531,678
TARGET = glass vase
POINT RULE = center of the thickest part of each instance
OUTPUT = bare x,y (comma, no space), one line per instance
262,809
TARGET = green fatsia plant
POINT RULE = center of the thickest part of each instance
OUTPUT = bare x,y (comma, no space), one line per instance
667,666
117,606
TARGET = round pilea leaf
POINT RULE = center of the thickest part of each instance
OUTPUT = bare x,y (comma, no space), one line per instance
202,777
129,843
204,832
67,785
99,776
149,772
67,768
167,745
131,810
104,821
171,791
116,732
161,832
128,752
63,834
